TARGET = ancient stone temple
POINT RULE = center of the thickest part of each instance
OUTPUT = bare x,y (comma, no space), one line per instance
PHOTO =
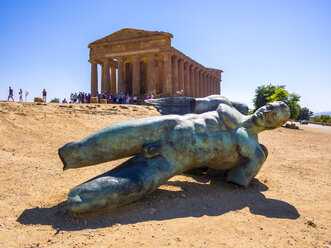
143,62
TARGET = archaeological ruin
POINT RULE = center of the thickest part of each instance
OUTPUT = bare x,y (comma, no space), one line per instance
144,62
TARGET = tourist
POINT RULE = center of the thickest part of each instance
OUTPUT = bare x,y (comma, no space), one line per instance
128,98
79,97
11,92
147,97
152,96
21,95
134,99
121,98
64,100
44,95
114,98
75,98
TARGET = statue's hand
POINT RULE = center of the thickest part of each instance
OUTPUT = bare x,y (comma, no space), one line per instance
229,116
151,150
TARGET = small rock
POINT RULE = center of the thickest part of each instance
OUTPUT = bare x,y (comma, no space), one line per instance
183,195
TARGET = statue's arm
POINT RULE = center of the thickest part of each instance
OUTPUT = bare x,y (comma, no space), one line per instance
243,173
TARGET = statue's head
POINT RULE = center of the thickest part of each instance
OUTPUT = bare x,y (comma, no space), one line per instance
272,115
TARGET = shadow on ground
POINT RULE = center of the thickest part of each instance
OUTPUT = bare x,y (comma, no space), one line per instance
193,199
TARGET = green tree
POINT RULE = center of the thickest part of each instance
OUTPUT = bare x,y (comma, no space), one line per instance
55,100
304,114
322,118
263,92
270,93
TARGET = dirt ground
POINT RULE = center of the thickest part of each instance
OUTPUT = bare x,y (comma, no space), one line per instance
287,205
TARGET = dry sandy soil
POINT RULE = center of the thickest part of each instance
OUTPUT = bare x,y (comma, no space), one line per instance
287,205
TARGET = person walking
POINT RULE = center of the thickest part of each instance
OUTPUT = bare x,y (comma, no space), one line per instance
11,92
21,95
44,95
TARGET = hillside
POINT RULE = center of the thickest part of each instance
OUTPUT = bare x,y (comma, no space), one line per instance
287,205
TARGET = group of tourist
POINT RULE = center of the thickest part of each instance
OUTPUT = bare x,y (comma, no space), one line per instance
83,97
20,93
122,98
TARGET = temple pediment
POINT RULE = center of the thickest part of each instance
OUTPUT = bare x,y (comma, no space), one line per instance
129,34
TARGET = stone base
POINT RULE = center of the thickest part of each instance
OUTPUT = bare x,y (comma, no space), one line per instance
94,100
103,101
38,99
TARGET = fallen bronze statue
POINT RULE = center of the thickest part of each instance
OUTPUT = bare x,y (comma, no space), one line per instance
213,133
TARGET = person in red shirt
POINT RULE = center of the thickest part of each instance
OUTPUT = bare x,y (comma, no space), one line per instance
44,95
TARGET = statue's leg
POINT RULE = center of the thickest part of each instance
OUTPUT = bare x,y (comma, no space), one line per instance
126,183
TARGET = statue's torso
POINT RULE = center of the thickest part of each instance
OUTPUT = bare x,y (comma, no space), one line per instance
206,140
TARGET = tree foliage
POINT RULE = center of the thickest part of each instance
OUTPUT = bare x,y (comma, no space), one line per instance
322,118
269,93
263,92
55,100
304,114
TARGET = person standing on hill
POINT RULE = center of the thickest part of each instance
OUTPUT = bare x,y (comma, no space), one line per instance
11,92
44,95
21,95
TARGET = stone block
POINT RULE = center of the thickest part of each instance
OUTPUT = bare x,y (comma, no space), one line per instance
94,100
103,101
38,99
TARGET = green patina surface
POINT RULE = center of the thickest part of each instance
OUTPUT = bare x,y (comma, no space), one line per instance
216,136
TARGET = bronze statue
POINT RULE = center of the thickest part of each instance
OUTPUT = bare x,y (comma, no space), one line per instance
222,139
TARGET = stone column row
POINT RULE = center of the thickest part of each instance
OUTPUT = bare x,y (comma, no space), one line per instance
193,80
174,74
108,81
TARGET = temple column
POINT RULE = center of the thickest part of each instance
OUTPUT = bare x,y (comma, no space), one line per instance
205,83
113,80
94,77
159,86
135,75
150,74
192,83
201,85
186,80
167,73
210,84
174,65
105,76
181,74
120,72
197,82
215,86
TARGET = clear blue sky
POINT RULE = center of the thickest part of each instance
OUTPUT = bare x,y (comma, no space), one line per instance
44,43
